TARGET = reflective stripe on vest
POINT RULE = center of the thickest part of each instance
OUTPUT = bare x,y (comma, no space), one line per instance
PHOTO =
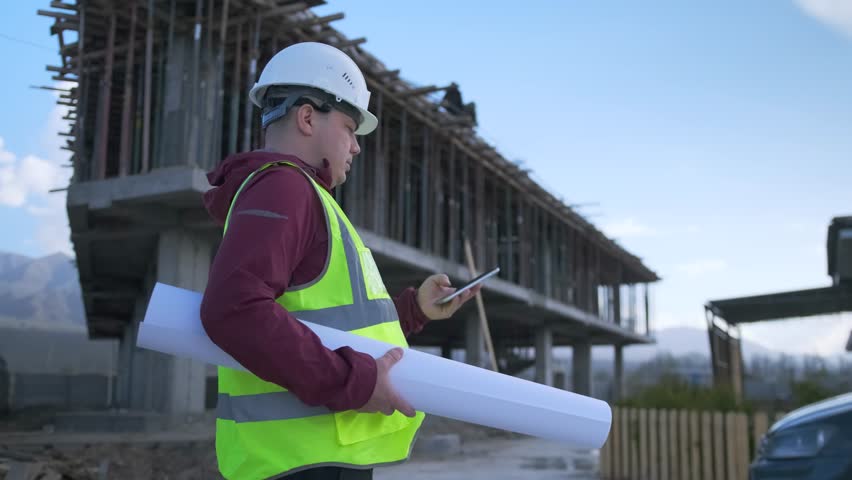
362,312
264,407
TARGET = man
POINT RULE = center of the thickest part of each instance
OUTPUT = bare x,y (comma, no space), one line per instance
288,253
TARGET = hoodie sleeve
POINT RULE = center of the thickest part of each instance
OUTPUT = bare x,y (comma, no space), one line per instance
273,224
411,317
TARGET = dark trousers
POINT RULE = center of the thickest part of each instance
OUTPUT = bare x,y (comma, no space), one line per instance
331,473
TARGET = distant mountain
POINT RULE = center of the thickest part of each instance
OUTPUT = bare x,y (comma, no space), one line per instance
675,341
42,320
39,291
11,261
683,341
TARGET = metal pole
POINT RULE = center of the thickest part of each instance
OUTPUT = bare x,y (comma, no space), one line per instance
146,110
251,77
402,181
104,104
126,140
80,124
236,93
192,148
480,306
380,171
425,197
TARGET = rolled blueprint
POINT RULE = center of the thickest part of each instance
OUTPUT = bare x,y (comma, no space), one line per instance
431,384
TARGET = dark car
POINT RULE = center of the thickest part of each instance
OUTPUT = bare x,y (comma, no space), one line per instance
811,443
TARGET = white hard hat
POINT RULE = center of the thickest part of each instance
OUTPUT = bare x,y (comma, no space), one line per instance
319,66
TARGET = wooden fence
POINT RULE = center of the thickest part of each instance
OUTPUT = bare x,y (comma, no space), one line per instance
649,444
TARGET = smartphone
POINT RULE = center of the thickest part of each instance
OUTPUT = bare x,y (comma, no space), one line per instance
476,281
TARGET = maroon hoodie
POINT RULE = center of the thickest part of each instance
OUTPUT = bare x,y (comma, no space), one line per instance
277,238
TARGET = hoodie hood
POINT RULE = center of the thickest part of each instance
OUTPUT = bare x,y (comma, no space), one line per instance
232,172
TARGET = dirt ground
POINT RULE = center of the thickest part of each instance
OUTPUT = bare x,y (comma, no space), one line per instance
174,461
189,454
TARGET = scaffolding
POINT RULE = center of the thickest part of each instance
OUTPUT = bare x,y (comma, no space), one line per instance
162,83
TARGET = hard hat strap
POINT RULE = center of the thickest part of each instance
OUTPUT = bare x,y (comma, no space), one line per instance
272,114
275,110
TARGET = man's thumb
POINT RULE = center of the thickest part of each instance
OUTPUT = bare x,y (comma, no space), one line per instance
442,280
392,356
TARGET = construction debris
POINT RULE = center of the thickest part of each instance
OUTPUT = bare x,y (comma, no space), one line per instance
182,461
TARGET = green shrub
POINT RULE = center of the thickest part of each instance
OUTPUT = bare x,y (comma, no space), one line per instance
810,391
672,392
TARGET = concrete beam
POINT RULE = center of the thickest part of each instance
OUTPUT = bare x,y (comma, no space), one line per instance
114,233
497,289
175,184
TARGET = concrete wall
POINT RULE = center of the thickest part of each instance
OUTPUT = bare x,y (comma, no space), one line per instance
27,390
4,387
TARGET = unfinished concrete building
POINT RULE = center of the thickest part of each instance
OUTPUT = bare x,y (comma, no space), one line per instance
159,97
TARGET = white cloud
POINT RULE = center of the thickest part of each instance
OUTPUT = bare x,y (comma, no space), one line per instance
830,340
53,233
628,227
21,180
25,182
836,13
39,211
668,319
701,267
822,335
820,251
5,155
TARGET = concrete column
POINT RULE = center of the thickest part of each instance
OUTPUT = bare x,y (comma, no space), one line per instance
447,351
544,356
647,312
473,340
559,379
618,375
126,354
187,121
616,303
140,371
183,260
581,368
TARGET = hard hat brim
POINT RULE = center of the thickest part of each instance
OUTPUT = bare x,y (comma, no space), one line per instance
369,123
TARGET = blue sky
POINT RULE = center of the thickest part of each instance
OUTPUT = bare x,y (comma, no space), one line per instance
714,137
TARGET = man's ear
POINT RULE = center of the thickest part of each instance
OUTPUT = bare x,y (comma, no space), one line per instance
305,116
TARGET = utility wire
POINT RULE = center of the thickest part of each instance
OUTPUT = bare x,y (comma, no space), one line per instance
25,42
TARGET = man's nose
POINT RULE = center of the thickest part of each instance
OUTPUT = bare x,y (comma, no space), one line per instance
356,149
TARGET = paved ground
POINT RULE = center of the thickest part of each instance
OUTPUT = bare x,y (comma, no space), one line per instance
509,459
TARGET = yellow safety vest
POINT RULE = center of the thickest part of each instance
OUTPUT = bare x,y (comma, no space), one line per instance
264,431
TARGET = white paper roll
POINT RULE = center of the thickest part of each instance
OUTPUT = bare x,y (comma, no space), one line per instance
430,383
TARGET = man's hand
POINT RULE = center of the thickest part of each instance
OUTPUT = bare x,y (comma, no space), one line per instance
437,287
384,398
